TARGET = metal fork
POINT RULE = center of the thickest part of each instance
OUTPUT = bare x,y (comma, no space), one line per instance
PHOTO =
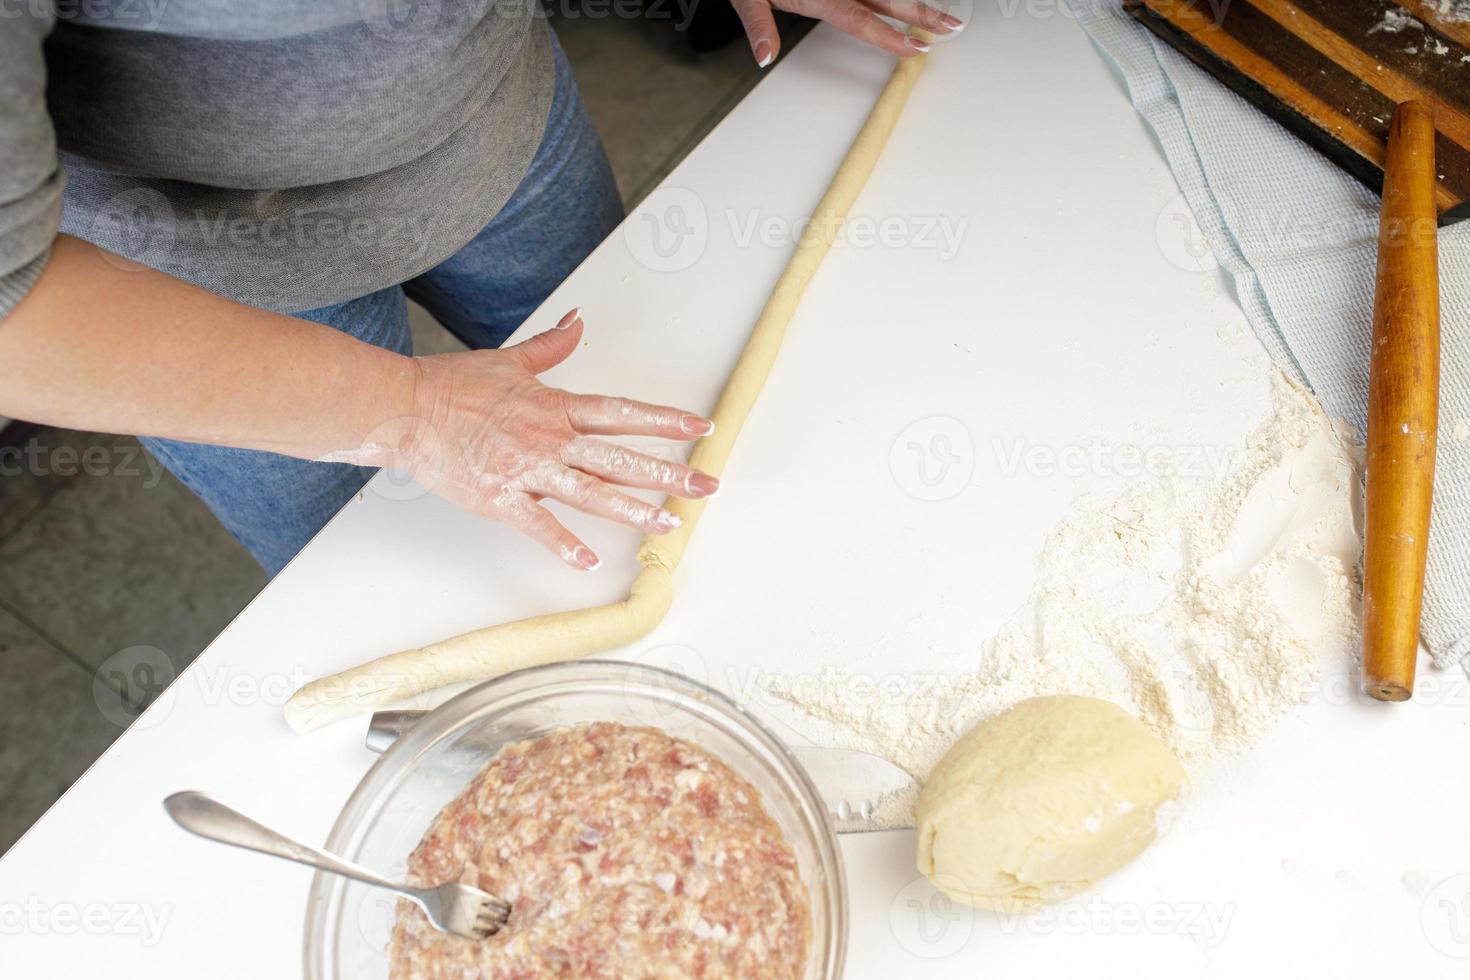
453,908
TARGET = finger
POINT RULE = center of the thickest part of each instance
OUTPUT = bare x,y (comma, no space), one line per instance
541,526
590,495
548,349
603,416
853,18
630,468
760,29
916,12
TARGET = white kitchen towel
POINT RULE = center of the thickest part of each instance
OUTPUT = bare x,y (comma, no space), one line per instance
1299,238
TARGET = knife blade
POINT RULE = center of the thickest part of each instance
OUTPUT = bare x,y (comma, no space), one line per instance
853,784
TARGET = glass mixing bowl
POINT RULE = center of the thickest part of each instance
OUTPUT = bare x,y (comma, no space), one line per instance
348,924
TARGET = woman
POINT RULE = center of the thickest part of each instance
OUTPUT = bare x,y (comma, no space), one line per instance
211,215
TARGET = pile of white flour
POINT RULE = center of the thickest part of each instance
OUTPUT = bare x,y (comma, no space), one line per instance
1201,607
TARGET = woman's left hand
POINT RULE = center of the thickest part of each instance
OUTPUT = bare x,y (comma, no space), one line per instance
860,18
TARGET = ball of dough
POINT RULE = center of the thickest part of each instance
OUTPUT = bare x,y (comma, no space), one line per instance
1035,804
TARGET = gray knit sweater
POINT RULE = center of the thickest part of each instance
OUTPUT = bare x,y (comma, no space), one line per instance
288,154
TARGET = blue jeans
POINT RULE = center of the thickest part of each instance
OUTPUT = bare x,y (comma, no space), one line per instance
564,206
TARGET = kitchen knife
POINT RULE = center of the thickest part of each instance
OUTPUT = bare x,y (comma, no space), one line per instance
853,784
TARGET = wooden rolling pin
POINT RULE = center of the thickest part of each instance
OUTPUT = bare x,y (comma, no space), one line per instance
1403,408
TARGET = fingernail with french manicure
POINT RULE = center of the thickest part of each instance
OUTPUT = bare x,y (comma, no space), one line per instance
665,521
695,426
952,22
764,55
566,322
703,485
584,557
917,45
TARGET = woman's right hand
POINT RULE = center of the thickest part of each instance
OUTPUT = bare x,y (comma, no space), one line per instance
100,346
487,435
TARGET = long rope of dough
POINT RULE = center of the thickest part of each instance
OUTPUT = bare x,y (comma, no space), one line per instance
495,650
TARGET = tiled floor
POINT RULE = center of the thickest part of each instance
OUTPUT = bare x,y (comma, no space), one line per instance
107,564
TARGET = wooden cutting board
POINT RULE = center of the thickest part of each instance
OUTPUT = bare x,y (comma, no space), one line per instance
1332,71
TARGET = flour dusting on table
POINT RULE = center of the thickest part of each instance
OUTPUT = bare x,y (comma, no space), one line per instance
1202,607
1394,20
1450,11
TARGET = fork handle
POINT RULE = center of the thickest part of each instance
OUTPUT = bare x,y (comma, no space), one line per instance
211,819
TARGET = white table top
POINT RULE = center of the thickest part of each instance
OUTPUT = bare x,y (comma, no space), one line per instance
1056,317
